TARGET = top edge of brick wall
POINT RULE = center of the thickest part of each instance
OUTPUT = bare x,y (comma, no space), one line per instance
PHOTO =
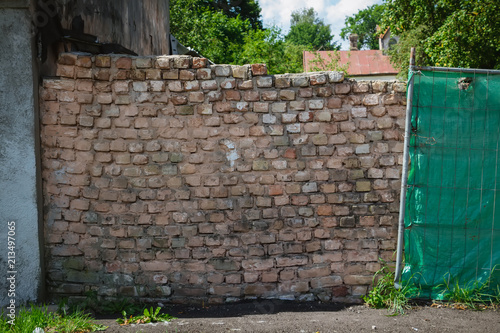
180,62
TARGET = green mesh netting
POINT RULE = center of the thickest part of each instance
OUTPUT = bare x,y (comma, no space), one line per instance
452,220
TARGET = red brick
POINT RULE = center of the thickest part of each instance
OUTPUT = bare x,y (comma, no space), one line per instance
123,63
259,290
314,272
158,266
80,204
300,200
259,69
358,279
291,261
269,277
275,190
199,62
258,264
227,291
290,153
324,210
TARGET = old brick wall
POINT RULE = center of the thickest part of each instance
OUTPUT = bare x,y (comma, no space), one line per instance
167,178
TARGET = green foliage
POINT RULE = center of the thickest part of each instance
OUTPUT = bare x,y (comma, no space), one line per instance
469,37
212,33
268,46
319,63
460,33
385,295
473,295
309,30
364,24
27,320
400,58
118,306
229,32
149,316
246,9
227,38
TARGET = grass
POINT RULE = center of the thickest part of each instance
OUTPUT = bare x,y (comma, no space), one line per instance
474,295
148,316
27,320
385,295
132,313
75,320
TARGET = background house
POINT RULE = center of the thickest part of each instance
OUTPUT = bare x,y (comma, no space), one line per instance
362,64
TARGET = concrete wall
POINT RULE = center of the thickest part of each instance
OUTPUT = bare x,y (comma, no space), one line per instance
18,158
165,178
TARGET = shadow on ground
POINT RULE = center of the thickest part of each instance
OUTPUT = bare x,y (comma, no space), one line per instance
257,307
240,309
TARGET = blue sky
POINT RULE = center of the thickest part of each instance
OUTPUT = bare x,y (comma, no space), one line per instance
332,12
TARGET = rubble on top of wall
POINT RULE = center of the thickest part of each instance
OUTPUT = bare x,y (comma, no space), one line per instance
119,67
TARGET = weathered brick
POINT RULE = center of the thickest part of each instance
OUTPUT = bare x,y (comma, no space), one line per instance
326,281
158,266
258,69
257,264
342,88
347,221
314,272
320,139
260,165
291,261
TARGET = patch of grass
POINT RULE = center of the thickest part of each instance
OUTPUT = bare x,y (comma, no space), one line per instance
385,295
474,295
149,316
119,305
27,320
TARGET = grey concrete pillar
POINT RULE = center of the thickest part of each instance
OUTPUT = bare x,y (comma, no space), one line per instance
19,169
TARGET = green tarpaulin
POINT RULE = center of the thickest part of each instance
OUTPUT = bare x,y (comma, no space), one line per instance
452,220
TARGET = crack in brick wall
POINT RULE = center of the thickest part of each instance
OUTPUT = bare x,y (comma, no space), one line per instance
166,178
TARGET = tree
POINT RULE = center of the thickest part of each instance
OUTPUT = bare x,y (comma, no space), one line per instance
310,31
268,46
364,24
219,32
208,31
450,33
246,9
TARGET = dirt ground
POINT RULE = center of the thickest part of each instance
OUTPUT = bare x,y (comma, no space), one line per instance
282,316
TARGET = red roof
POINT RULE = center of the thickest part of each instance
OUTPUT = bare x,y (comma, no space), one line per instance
365,62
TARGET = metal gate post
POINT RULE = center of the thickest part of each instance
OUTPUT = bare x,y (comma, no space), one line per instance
404,176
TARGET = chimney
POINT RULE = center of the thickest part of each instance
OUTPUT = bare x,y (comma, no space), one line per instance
353,42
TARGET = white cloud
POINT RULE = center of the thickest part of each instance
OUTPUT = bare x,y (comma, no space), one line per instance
332,12
335,15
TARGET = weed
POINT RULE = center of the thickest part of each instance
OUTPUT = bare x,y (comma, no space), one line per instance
75,322
319,63
149,316
385,295
119,305
474,295
90,303
27,320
